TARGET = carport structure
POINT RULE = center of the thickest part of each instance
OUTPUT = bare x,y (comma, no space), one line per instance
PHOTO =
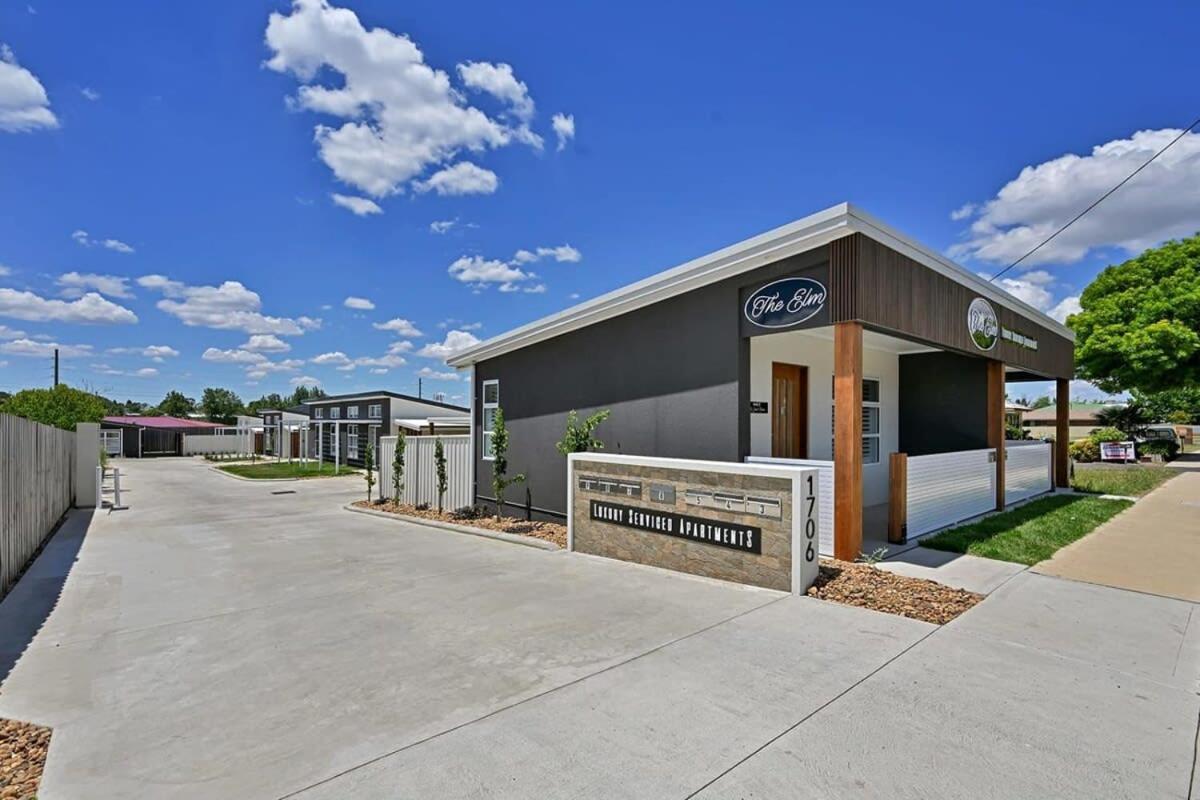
146,436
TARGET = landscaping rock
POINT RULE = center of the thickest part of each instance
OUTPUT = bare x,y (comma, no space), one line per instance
546,531
23,748
866,586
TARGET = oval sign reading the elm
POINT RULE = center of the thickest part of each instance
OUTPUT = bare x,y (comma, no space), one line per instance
786,302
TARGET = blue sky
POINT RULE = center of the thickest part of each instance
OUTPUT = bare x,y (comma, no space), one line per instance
194,150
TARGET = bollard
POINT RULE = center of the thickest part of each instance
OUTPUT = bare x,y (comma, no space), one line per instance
99,488
117,488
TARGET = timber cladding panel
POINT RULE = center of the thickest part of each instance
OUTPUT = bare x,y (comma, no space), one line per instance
771,569
892,292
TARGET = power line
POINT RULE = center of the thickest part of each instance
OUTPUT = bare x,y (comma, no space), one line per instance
1099,200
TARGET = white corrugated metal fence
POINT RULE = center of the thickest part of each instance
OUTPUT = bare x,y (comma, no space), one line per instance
420,473
824,491
1028,470
946,488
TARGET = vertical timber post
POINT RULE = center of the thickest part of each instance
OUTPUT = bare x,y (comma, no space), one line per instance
995,423
1062,433
847,440
898,498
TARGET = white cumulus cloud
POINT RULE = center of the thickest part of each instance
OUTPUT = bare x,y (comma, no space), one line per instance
90,309
1161,202
564,128
400,117
266,343
400,327
459,179
434,375
76,283
455,342
361,206
24,105
305,380
480,273
232,356
230,306
358,303
81,237
32,349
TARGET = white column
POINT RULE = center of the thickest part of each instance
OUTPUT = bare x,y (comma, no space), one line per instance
337,446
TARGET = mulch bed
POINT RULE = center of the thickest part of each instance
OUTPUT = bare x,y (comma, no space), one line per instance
866,586
23,747
546,531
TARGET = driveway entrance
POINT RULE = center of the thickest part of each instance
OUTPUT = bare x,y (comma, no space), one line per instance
221,640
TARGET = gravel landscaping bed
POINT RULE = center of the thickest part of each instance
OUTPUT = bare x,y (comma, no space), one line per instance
867,587
23,747
546,531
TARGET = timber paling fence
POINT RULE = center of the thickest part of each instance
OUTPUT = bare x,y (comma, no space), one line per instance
37,486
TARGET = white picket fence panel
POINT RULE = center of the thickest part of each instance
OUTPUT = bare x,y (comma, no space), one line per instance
1028,470
945,488
824,494
37,486
420,473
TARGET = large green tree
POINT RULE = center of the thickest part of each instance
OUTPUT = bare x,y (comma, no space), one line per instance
62,406
268,401
1180,405
220,405
1139,327
176,404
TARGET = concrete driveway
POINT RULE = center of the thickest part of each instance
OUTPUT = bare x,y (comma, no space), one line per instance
220,640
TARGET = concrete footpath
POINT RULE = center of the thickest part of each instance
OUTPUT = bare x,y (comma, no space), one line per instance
1153,547
221,640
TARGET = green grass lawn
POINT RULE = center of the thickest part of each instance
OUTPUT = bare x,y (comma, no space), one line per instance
282,469
1032,532
1131,480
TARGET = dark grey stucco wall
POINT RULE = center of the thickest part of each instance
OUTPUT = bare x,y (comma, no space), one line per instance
669,373
943,403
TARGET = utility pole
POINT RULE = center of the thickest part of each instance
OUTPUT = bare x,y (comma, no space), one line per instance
56,366
418,379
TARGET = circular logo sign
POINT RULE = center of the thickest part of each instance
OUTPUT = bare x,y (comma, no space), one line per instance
785,302
982,324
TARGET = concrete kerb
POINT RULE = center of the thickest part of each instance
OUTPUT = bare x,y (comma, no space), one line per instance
220,471
511,538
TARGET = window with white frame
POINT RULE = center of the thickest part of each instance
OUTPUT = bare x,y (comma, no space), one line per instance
335,413
375,410
318,413
491,402
870,421
352,442
871,441
351,412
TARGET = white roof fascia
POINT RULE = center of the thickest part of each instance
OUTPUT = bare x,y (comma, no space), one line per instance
794,238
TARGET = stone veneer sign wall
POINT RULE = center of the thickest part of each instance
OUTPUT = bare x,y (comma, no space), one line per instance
748,523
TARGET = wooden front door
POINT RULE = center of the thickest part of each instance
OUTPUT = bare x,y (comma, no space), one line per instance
789,411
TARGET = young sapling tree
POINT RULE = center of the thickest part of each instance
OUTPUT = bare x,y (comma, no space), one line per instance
398,468
439,463
581,438
500,479
369,468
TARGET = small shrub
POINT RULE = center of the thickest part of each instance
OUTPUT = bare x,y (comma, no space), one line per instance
1108,435
467,512
421,506
1159,447
1084,450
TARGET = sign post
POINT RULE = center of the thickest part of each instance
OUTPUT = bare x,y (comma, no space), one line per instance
1118,451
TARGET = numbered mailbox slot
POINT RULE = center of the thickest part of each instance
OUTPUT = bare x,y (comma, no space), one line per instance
629,489
729,502
662,493
697,497
765,507
589,484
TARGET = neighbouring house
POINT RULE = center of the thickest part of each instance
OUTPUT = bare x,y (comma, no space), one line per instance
1013,414
834,341
135,436
1040,422
341,426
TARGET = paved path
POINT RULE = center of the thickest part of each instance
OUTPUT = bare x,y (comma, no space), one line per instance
219,640
1152,547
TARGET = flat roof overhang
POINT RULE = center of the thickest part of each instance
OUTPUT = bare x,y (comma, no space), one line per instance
797,237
